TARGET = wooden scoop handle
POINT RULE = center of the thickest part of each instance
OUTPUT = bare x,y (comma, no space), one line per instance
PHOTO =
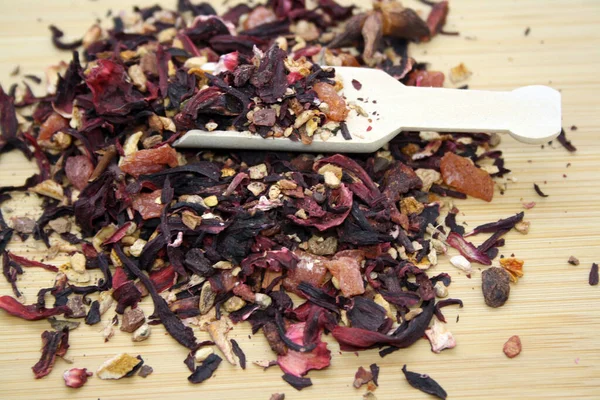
531,114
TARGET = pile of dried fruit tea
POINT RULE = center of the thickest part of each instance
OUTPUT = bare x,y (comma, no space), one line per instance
215,239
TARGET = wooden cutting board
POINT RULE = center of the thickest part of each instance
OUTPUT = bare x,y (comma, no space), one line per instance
552,308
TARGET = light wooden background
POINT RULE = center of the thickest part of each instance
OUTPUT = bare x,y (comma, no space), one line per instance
552,309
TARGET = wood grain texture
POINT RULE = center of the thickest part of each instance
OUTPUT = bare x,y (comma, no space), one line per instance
552,308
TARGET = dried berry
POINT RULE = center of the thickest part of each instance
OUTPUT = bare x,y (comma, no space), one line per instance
495,283
512,347
76,377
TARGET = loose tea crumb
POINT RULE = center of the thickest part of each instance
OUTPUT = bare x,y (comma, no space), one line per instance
573,260
512,347
593,280
539,191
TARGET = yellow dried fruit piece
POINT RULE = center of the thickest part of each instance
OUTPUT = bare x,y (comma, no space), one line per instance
117,367
513,266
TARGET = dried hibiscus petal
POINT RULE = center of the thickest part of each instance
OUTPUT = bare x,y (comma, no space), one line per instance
53,344
32,312
78,170
424,383
297,363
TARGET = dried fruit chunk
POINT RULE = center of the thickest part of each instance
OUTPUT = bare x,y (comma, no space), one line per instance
149,161
53,124
148,204
78,170
496,286
118,367
76,377
465,177
337,105
512,347
260,15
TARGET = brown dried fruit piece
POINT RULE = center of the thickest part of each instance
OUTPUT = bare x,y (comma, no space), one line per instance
260,15
465,177
149,161
337,105
512,347
132,319
495,283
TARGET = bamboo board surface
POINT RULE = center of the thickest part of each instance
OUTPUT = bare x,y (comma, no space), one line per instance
552,308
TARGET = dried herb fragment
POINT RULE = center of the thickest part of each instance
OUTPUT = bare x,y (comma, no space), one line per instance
424,383
237,350
205,369
593,280
496,286
539,191
297,382
562,139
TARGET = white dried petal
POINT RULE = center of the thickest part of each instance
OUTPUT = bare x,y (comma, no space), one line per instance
490,169
207,298
523,227
258,171
429,177
106,300
93,34
166,35
282,43
303,118
412,313
136,73
440,337
195,62
211,126
440,290
378,299
432,257
218,332
136,248
108,331
256,188
142,333
102,235
429,136
331,180
274,192
203,353
78,262
131,143
117,367
263,300
223,265
49,188
461,263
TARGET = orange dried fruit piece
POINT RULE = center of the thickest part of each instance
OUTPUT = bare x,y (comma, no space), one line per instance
465,177
149,161
347,272
514,266
337,105
53,124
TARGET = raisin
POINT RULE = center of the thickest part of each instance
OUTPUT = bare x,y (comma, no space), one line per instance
496,286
